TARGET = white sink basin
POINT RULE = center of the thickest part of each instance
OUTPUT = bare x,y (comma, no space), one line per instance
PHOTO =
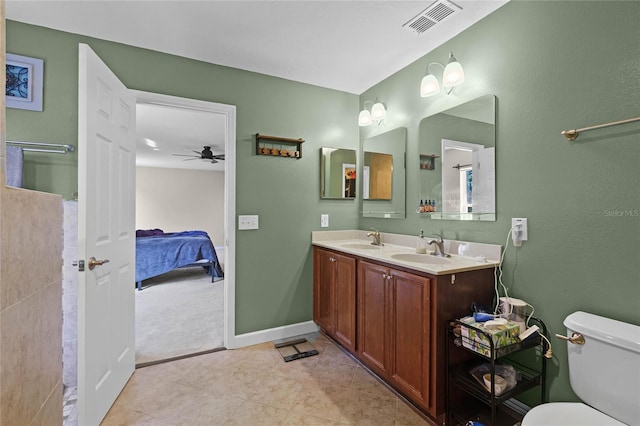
358,246
420,258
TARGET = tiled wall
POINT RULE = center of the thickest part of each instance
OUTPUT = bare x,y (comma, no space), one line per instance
30,307
30,297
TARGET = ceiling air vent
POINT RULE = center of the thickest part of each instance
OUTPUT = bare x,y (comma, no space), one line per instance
432,15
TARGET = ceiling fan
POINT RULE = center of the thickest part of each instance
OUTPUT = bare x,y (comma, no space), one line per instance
205,154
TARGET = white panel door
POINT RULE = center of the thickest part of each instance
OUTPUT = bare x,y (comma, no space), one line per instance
106,231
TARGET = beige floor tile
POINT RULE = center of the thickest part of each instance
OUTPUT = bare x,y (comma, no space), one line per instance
369,409
334,374
254,386
278,391
207,410
253,413
333,354
129,418
405,416
320,401
363,381
295,418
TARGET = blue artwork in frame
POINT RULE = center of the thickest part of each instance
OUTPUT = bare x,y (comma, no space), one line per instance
24,82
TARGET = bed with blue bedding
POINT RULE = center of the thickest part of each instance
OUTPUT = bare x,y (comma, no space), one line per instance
158,252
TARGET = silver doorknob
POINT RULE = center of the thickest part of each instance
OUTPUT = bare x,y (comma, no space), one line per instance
93,262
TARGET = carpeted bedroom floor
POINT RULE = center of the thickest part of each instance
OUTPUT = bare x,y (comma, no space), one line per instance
178,313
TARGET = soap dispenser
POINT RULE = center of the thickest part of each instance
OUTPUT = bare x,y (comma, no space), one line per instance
421,246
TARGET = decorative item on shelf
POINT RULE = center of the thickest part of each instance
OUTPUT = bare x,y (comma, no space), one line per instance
427,161
427,206
378,113
283,147
453,75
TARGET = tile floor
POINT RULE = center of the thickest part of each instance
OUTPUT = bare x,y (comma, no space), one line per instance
254,386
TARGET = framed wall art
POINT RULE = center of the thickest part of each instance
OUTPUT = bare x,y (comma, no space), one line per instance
24,82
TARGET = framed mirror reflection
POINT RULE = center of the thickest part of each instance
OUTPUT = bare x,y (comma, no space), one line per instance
461,183
383,180
338,177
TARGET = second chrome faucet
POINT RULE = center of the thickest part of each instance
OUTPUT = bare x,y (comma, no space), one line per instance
438,246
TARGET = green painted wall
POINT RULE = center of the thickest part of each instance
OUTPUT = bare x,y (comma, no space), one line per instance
552,66
274,263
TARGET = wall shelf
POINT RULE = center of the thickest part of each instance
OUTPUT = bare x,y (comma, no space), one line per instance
276,146
427,161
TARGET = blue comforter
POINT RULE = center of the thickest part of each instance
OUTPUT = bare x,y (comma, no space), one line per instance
158,254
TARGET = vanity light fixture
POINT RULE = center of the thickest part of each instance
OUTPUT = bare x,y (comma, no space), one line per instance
452,76
378,113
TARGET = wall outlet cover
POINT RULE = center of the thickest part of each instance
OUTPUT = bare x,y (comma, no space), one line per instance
324,220
524,236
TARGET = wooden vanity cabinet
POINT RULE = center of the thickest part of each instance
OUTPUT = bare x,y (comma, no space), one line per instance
334,295
393,328
400,316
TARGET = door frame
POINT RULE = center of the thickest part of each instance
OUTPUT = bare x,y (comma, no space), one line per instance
229,111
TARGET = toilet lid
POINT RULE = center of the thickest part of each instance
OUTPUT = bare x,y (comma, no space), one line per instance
567,414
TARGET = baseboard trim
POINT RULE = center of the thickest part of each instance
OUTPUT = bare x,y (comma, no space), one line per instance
271,334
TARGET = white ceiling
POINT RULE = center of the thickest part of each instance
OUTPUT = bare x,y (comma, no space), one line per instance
343,45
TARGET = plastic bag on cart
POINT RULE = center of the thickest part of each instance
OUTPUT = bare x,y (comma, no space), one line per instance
506,377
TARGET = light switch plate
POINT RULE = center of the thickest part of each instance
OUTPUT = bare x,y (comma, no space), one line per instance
247,222
324,220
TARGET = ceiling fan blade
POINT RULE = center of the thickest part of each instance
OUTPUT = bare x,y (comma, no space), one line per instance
186,155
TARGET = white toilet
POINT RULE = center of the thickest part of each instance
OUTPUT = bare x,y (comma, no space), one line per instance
604,373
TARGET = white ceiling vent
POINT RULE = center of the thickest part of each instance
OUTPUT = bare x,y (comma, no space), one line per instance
437,12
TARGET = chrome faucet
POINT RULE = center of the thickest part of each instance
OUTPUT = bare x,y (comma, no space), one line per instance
438,246
376,237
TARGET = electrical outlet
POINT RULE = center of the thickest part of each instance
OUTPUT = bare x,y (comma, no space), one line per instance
324,220
524,235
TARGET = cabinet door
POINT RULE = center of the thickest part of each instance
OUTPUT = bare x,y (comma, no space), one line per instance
324,272
410,330
345,301
373,324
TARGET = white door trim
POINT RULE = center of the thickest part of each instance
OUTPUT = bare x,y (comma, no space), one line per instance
229,111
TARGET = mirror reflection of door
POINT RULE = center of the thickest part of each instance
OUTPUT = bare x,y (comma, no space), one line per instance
349,181
380,175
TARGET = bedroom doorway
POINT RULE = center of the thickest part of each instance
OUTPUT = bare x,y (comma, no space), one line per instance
181,187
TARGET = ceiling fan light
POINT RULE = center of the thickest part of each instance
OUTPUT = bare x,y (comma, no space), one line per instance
378,111
453,73
429,86
364,119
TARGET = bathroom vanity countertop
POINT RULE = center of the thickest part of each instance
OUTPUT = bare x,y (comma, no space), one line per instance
398,252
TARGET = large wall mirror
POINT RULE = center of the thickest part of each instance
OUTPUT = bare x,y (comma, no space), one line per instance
338,173
457,161
383,175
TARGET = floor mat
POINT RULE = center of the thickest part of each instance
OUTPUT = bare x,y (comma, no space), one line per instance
295,349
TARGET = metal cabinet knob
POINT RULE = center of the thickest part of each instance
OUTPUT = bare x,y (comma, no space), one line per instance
93,262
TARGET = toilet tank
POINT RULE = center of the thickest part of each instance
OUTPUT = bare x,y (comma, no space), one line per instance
605,371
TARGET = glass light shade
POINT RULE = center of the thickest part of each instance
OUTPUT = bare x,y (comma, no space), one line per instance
364,119
429,86
453,73
378,111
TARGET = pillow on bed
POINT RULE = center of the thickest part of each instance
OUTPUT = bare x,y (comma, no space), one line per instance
149,232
